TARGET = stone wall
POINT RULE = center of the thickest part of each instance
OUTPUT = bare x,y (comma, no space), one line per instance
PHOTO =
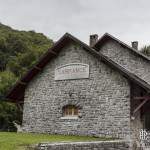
135,64
109,145
103,99
128,59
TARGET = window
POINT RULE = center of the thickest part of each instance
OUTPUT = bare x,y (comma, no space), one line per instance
70,110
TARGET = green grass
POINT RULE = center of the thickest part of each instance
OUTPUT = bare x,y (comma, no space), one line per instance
18,141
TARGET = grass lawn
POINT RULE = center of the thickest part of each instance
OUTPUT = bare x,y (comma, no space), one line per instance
18,141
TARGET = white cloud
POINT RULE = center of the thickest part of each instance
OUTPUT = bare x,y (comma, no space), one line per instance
127,20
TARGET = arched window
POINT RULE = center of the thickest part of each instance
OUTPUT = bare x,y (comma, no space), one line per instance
70,110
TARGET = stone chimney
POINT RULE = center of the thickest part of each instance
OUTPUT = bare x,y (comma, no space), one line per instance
93,39
135,45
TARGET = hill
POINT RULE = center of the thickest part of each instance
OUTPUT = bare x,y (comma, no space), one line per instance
19,50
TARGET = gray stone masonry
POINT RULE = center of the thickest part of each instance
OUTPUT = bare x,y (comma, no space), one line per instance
103,99
127,59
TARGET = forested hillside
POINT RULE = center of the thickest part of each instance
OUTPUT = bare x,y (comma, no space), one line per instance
19,50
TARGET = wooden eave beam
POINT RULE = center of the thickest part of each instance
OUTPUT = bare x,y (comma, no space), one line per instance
38,68
140,105
20,106
142,97
53,52
21,82
20,102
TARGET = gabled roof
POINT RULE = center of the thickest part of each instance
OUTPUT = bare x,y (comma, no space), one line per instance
16,94
107,37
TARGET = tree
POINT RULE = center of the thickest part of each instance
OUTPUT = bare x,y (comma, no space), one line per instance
7,79
146,50
8,114
19,51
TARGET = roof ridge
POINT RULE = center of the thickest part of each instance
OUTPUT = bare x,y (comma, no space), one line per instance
107,35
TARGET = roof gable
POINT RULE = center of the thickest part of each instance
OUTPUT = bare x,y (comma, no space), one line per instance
107,36
17,92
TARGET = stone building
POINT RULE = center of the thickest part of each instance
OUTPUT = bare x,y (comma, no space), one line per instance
97,90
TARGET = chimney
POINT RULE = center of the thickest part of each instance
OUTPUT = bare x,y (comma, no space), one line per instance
135,45
93,39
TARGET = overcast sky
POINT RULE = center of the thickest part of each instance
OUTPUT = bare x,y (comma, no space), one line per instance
128,20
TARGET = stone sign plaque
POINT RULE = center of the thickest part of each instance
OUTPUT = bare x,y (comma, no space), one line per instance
72,71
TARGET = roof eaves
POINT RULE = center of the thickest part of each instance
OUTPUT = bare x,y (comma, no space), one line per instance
86,47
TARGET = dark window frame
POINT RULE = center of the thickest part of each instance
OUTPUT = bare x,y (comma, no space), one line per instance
70,110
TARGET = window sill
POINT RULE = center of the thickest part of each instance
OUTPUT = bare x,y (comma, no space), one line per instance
70,117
